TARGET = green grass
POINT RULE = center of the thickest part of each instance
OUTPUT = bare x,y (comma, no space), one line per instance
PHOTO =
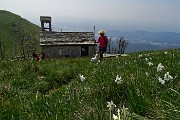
52,89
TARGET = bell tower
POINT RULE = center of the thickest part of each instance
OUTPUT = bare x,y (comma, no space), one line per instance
45,19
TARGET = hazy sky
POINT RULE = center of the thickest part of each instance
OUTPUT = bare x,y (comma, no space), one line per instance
159,15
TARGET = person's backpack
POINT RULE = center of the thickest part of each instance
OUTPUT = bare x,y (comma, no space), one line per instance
105,37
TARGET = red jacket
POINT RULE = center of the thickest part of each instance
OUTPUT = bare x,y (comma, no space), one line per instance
103,40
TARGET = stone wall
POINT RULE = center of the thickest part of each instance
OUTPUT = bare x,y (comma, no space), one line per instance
62,51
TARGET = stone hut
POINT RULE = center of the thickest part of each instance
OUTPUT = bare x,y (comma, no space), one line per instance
66,44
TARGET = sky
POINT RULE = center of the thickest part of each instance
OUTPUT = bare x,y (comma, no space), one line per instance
150,15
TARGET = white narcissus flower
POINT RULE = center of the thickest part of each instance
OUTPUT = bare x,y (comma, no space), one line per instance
167,76
82,78
147,74
146,59
165,52
111,105
118,111
139,56
160,67
150,63
161,80
115,117
124,108
118,79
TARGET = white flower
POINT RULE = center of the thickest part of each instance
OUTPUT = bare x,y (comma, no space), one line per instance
118,79
118,111
139,56
161,80
124,108
115,117
146,59
150,63
167,76
165,52
147,74
111,105
160,67
82,78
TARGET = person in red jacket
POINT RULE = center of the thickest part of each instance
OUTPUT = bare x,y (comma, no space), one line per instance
102,40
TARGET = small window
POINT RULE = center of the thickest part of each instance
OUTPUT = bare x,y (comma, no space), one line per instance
60,52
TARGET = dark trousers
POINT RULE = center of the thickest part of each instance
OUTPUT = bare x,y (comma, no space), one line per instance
102,50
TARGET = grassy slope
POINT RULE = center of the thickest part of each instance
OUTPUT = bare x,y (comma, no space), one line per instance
52,89
8,37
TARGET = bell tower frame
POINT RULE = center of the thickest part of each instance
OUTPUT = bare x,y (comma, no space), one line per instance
45,19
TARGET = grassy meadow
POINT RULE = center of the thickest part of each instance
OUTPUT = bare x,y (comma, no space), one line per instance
133,87
18,36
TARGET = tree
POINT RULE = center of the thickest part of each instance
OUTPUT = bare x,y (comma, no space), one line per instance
109,46
24,41
122,45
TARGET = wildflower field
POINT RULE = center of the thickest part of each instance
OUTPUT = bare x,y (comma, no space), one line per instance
140,86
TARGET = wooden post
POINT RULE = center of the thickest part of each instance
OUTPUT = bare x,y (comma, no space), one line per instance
94,32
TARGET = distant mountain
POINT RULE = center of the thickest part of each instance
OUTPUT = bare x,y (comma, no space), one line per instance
143,40
159,37
18,37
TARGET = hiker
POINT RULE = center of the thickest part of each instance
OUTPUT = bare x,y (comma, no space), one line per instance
102,40
42,56
36,57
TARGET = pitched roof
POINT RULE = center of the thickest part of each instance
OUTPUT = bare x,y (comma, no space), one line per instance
65,38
